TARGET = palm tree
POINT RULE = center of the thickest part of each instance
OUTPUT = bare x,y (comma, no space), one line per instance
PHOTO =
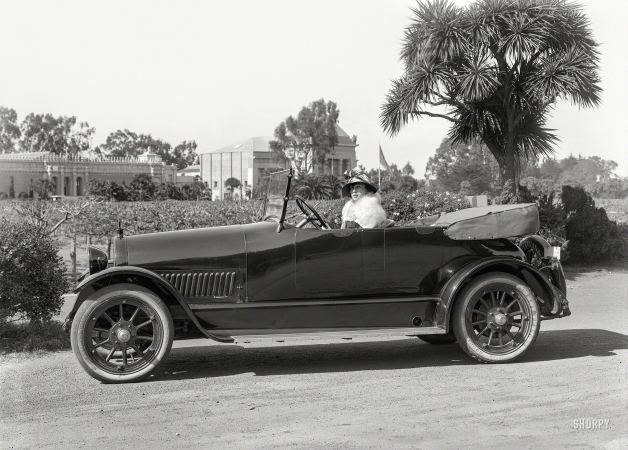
312,187
499,67
335,185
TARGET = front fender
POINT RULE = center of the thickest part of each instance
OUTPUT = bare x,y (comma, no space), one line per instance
539,284
91,284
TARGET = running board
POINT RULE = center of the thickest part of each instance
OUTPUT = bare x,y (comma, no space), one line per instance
248,336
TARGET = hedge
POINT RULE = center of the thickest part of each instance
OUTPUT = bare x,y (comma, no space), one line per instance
572,221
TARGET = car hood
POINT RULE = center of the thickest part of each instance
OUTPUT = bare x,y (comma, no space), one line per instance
218,247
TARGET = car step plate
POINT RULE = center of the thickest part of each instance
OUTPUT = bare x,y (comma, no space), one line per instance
268,335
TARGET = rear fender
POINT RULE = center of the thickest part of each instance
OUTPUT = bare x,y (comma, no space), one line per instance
551,264
134,275
528,274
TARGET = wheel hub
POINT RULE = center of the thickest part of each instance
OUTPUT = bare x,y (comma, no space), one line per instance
123,333
500,319
497,318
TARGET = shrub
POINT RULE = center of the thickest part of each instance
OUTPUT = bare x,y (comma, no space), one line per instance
552,218
574,223
402,208
405,208
32,274
591,236
508,196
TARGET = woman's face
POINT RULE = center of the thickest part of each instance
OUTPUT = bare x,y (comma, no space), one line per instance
358,190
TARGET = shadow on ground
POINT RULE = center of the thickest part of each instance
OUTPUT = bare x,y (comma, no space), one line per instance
224,360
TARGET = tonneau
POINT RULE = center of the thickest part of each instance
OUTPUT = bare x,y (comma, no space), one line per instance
491,222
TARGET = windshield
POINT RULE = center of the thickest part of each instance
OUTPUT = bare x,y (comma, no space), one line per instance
278,185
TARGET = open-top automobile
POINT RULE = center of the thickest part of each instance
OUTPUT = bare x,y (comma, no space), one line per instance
453,277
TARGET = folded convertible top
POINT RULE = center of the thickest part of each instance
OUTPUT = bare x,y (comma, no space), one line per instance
491,222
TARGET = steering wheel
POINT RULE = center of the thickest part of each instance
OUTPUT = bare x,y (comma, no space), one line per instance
310,215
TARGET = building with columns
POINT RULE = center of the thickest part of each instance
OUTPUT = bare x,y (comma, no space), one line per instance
247,161
70,174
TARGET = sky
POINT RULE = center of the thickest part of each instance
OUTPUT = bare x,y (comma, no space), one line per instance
222,71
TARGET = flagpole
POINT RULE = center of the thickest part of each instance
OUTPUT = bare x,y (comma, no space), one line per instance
379,167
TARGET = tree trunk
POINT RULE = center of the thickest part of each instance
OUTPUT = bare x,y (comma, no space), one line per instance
73,254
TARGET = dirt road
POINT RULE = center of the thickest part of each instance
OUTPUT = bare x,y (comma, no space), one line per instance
570,390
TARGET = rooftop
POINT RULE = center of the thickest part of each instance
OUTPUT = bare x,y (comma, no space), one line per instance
260,143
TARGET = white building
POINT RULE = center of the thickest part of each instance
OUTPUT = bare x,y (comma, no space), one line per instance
247,160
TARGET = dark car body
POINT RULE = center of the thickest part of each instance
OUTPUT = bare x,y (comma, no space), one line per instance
273,280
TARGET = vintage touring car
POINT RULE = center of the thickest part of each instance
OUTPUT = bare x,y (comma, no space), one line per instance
444,279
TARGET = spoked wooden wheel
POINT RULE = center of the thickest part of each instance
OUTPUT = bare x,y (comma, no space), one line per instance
122,334
496,318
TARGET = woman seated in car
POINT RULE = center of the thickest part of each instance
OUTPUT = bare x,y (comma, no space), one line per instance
364,209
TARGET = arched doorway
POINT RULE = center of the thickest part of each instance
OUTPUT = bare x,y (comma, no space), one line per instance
79,186
66,186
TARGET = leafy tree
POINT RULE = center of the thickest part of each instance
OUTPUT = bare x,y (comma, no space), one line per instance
407,170
408,184
308,138
550,169
499,66
232,184
61,135
9,130
182,155
387,185
107,190
453,164
142,187
614,188
588,171
168,191
127,144
596,175
395,179
43,188
197,190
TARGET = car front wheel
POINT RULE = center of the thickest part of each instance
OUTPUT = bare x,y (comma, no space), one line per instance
496,318
122,334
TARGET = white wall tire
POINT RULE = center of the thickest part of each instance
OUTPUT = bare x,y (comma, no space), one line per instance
496,318
122,333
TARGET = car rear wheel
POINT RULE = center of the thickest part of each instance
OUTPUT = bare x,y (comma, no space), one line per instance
122,334
496,318
439,339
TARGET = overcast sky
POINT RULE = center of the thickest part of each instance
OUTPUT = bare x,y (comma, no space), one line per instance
222,71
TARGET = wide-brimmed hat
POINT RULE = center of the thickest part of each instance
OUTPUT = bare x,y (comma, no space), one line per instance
354,176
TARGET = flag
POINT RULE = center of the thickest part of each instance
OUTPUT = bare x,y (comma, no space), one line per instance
382,160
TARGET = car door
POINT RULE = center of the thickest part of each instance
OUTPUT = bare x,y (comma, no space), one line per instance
412,253
328,261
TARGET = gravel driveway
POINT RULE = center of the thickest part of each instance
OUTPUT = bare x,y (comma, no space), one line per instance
570,390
